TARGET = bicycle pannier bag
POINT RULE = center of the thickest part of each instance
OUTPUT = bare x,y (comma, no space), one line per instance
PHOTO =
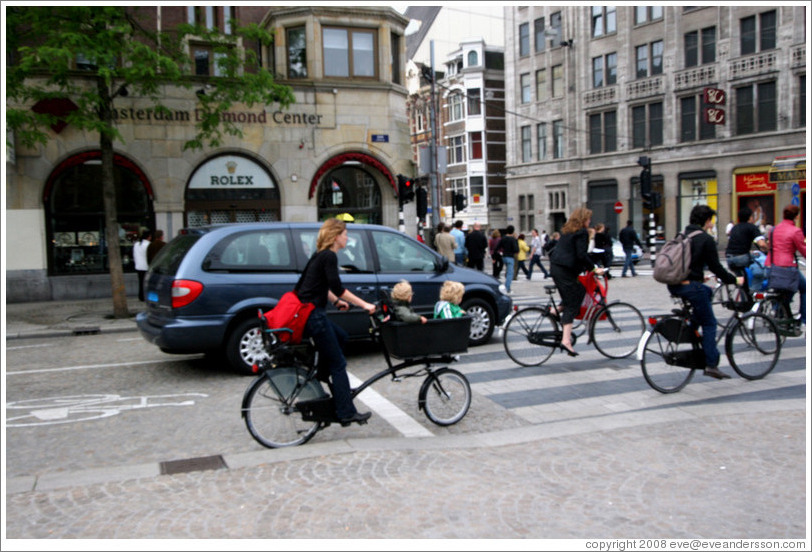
784,277
673,262
291,313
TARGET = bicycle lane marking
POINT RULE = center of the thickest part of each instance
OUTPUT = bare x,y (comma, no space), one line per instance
405,424
95,366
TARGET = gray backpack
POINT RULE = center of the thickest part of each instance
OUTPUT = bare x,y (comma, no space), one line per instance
673,262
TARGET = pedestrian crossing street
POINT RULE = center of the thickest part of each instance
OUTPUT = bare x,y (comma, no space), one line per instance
592,386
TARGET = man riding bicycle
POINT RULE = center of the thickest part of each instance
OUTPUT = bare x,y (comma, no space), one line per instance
703,253
741,238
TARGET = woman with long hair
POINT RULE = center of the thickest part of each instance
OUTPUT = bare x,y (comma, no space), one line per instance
567,261
321,283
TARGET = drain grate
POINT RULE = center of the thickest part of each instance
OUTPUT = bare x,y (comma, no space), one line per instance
193,464
86,330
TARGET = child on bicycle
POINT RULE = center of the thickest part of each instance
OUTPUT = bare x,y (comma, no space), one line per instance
450,297
402,296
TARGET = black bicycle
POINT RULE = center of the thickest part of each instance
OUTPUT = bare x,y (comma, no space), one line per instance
286,404
671,350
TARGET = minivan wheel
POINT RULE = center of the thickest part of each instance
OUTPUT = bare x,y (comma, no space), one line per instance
244,347
483,320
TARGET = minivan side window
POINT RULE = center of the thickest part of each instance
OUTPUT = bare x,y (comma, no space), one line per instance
261,251
352,259
399,253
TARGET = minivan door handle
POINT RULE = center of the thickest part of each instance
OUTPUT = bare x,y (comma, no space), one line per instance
365,289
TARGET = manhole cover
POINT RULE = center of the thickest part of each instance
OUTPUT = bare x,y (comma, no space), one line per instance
193,464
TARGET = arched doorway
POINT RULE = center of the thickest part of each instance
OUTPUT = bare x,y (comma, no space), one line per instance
74,211
352,183
231,188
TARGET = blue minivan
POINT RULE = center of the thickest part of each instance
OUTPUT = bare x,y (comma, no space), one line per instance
204,288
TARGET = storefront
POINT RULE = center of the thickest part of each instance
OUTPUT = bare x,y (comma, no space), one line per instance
767,189
697,188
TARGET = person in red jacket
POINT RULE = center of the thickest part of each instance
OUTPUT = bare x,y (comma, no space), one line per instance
786,240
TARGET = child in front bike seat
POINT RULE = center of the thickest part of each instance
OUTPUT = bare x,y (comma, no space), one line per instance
402,296
450,297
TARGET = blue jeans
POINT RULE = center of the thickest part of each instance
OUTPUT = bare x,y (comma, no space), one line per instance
329,339
459,258
699,295
509,266
628,263
536,260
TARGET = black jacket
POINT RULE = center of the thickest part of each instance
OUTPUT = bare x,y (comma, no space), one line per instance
570,252
704,253
628,237
476,243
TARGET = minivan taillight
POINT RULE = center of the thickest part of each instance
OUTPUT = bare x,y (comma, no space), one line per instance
184,292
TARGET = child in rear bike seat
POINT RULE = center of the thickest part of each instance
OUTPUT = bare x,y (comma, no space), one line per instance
402,296
450,297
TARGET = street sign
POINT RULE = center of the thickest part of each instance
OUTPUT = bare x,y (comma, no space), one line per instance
796,189
796,200
618,207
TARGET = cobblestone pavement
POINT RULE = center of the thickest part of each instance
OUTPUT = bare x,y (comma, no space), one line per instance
593,453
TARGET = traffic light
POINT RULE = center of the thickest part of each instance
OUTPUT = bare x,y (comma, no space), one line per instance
405,190
652,200
460,202
422,202
645,176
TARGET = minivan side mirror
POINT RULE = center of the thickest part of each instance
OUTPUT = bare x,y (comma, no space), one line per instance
442,264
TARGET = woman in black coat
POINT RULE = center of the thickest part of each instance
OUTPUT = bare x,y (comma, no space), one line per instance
567,261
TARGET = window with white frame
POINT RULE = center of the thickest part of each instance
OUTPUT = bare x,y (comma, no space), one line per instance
557,200
456,111
474,101
456,150
475,145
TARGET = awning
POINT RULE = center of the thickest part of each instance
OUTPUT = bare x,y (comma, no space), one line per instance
788,168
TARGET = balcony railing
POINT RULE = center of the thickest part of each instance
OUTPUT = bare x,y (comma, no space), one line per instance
644,87
798,56
600,96
750,66
703,75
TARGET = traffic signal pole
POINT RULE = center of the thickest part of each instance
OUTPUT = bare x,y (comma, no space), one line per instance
435,195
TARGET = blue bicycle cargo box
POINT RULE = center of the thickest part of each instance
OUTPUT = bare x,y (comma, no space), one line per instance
436,337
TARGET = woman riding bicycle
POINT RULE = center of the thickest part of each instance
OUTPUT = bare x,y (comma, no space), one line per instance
321,283
704,253
786,240
567,261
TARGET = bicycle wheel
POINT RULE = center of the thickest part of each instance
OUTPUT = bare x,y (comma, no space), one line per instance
752,346
530,336
616,330
445,396
658,363
269,407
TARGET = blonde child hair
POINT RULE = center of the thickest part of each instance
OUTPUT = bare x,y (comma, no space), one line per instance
452,292
402,291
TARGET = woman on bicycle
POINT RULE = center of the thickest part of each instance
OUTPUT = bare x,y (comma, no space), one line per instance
321,283
785,241
704,253
567,261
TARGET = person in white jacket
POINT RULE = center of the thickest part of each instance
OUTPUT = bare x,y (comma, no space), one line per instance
140,259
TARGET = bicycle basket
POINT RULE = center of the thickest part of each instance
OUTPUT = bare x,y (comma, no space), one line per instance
435,337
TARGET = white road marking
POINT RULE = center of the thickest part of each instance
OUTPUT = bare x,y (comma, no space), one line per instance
96,366
382,407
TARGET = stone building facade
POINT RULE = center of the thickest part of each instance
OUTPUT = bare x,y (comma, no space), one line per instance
335,150
712,95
